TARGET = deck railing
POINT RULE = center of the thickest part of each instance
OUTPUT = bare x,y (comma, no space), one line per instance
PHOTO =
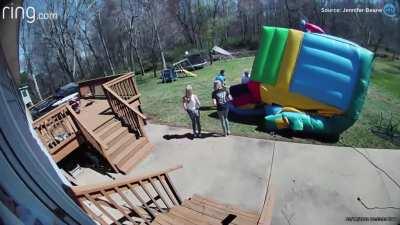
137,200
125,87
122,95
93,88
56,129
60,127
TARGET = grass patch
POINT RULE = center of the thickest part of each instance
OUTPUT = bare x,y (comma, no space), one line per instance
162,102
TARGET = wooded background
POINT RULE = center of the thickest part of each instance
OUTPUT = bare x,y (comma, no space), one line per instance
95,38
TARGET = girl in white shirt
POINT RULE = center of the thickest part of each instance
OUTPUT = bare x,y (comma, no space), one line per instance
191,105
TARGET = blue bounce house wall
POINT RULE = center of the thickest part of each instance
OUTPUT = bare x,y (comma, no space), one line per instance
328,70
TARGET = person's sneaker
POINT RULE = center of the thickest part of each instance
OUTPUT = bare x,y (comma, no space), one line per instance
229,133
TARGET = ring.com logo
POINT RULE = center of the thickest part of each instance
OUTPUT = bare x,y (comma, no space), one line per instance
391,9
29,13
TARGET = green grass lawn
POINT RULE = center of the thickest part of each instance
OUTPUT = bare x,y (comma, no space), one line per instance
162,102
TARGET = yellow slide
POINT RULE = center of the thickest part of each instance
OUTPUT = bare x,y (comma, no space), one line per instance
188,73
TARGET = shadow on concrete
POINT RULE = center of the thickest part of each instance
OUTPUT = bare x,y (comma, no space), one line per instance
86,157
310,136
190,136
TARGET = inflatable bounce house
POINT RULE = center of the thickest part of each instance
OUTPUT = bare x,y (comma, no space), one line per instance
305,82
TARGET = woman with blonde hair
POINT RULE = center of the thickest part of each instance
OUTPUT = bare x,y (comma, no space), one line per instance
191,105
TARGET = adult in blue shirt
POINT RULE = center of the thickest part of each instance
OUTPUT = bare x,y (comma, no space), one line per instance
221,77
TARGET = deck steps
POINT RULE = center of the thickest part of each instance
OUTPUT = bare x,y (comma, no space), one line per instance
105,125
139,156
116,136
110,128
125,150
114,150
199,210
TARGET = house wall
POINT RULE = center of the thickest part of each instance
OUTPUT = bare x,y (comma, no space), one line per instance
31,191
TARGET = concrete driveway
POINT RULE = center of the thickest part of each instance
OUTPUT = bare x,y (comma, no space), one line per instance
313,184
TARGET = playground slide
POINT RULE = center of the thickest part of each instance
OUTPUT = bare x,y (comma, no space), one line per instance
188,73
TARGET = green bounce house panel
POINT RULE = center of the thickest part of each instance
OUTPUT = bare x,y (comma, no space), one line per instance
267,62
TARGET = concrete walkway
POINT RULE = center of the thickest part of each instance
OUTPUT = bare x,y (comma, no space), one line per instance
313,184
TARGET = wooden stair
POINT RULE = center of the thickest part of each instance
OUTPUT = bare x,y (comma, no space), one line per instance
124,149
200,210
153,199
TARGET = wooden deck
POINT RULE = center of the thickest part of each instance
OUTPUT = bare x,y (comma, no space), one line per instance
94,113
110,120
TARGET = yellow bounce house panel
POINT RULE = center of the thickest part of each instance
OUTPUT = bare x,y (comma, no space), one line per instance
289,59
271,94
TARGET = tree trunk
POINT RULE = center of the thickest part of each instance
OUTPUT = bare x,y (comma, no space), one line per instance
91,48
103,43
158,39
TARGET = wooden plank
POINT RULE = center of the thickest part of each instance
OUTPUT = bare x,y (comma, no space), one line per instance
155,222
170,219
230,208
167,190
141,200
116,205
217,213
159,193
66,150
194,216
162,221
133,207
80,190
62,144
172,187
129,152
139,156
143,186
91,213
102,209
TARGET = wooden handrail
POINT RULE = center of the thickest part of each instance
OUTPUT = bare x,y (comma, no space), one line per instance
120,78
99,79
49,114
83,189
124,102
121,93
